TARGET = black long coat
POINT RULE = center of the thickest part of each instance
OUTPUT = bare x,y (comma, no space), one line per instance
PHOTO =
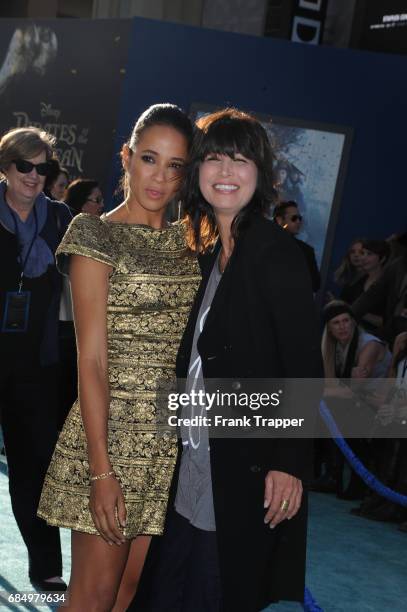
262,324
309,255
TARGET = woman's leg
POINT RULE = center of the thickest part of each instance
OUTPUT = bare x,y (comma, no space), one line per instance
131,576
97,569
162,583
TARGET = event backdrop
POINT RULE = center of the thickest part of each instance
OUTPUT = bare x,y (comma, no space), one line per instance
307,83
65,75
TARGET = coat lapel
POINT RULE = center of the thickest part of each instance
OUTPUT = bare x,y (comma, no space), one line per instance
185,348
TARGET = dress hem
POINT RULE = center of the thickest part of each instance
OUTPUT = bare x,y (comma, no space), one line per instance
90,531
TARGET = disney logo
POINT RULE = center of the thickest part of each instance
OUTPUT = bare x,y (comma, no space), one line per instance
48,111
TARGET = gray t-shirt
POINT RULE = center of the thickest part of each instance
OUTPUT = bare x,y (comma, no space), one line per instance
194,498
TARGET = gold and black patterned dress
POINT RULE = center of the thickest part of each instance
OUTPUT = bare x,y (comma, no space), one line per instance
151,289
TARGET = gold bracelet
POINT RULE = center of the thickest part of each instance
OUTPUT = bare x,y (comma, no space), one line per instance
102,476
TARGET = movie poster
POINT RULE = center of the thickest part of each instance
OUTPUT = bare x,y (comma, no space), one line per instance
65,76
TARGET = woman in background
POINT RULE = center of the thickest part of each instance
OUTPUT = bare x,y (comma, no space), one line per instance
31,227
375,255
56,182
350,270
84,195
349,352
390,450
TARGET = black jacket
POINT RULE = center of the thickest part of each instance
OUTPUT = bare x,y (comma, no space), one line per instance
262,324
382,297
312,265
44,311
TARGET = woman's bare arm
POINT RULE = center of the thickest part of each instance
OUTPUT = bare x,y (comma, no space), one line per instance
371,353
90,283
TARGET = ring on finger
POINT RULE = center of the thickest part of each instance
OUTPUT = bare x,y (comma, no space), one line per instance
284,505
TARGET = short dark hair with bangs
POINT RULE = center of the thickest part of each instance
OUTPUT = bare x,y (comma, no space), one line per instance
226,132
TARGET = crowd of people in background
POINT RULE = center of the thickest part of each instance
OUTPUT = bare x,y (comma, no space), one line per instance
364,338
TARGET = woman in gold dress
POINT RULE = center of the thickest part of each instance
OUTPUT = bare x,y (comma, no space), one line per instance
133,281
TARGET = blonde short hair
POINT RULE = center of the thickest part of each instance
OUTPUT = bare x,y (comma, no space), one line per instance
25,143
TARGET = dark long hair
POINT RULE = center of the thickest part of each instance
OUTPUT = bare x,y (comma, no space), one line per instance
381,248
226,132
56,170
78,192
346,273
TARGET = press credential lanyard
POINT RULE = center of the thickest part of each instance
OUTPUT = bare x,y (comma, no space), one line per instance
24,264
17,304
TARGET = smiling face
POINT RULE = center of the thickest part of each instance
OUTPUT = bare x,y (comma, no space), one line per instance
155,168
341,327
24,188
227,184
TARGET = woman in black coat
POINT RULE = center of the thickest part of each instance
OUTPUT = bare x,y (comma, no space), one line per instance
253,318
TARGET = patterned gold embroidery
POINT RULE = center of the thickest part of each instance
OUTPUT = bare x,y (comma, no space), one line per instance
151,289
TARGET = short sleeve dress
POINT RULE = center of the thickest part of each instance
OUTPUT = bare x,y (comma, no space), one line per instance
151,289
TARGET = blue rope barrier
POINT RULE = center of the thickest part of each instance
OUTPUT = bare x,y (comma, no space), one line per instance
356,464
310,605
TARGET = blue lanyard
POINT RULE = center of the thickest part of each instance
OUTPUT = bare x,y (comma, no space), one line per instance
23,265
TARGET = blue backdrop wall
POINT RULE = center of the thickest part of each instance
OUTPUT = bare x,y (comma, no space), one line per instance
363,90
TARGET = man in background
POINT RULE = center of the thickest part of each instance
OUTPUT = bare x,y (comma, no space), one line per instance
287,215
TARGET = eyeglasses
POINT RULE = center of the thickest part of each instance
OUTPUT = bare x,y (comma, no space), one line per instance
296,218
97,200
25,167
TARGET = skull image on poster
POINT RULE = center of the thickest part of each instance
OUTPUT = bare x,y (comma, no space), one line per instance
30,49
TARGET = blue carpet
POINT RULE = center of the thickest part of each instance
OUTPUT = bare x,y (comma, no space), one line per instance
354,565
14,563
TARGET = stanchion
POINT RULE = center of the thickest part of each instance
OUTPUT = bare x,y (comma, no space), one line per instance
310,605
356,464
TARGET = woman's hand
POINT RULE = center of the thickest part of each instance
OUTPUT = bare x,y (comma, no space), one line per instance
399,343
107,505
359,372
385,414
280,487
339,391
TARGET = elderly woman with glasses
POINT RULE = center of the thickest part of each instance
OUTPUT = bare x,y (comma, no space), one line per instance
84,195
31,227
